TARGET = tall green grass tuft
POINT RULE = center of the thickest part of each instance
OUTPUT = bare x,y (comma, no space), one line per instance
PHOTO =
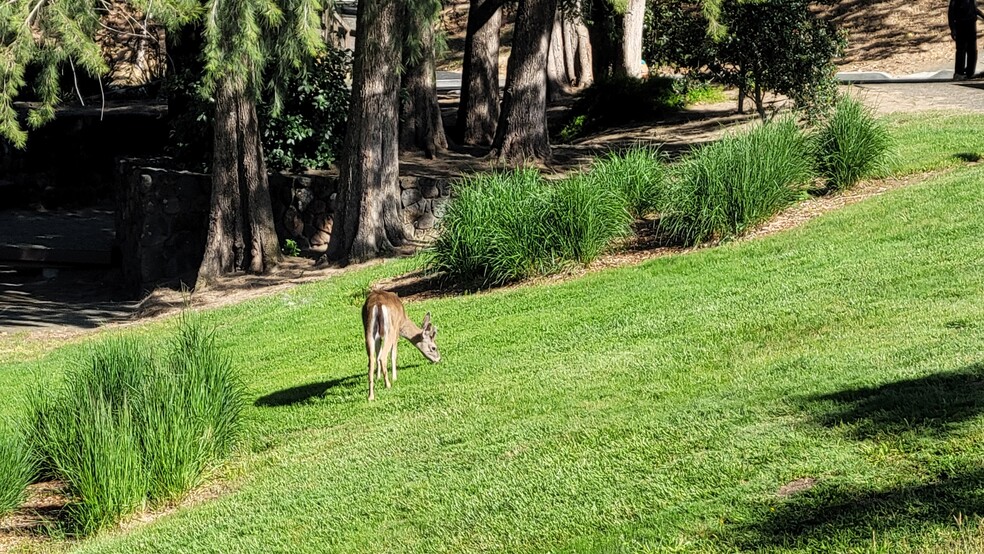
639,175
128,426
17,467
504,227
493,231
722,189
850,144
584,217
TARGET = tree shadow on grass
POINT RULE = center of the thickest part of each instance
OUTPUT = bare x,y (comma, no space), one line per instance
304,393
930,404
842,513
835,511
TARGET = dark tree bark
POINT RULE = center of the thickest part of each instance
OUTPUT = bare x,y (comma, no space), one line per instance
633,21
368,216
521,134
241,234
421,124
604,37
478,107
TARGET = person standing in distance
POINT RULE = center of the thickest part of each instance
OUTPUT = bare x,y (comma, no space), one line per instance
962,16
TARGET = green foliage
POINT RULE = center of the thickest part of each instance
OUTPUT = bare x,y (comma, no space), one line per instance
849,144
723,188
504,227
17,467
126,428
572,129
291,248
757,46
779,46
639,176
308,130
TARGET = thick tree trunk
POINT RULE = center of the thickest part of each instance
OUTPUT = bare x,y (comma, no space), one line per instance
569,38
632,24
241,234
421,124
558,84
478,107
368,216
522,131
583,64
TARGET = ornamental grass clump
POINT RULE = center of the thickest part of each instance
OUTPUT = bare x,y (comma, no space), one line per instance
494,230
17,467
504,227
850,144
129,427
585,216
638,175
724,188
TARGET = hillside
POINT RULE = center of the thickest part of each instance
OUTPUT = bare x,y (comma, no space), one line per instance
897,36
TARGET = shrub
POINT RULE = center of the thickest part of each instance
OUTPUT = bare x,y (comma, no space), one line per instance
638,175
722,189
849,144
17,467
308,130
503,227
127,427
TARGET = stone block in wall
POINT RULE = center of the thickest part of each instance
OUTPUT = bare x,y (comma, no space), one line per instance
410,197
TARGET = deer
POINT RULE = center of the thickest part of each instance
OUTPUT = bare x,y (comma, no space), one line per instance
385,321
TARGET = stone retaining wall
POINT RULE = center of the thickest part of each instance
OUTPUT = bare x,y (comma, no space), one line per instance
162,216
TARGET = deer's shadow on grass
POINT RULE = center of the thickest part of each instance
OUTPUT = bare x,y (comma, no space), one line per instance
304,393
839,509
930,404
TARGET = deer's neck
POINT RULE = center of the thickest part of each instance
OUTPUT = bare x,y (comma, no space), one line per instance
411,332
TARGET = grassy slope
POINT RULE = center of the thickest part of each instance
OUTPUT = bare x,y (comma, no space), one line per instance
644,408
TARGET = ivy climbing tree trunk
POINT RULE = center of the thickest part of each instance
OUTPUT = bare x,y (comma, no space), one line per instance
368,217
421,124
521,135
478,106
241,234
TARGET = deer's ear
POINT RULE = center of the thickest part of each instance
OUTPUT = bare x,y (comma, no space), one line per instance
427,320
433,331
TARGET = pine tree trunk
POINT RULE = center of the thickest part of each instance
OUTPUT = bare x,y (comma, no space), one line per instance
368,216
583,62
522,131
241,234
558,85
421,124
569,38
632,25
478,107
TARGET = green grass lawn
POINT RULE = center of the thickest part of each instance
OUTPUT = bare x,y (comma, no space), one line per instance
654,408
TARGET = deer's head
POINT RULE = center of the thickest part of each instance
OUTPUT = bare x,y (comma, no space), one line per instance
427,346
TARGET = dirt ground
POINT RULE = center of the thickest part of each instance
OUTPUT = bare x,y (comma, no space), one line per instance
896,36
